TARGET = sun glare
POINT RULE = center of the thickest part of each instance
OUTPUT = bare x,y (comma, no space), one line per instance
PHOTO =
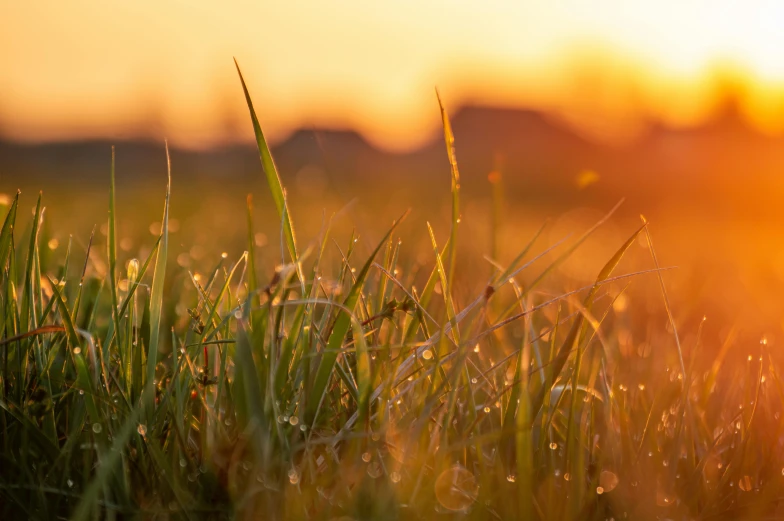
92,70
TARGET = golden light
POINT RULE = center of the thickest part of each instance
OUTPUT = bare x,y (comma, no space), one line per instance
87,68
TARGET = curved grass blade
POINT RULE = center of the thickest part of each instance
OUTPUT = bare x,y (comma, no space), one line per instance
273,179
449,140
575,332
339,331
156,292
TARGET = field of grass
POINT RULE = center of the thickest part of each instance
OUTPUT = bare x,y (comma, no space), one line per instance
364,385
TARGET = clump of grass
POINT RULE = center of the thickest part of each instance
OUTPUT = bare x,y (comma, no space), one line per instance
344,392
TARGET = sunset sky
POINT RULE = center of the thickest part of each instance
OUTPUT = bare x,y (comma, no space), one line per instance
164,68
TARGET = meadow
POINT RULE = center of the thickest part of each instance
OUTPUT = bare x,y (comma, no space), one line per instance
407,371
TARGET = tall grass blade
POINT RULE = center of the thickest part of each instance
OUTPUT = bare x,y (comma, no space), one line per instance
111,246
449,140
157,291
273,179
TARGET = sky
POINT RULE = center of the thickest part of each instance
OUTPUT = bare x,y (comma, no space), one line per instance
163,68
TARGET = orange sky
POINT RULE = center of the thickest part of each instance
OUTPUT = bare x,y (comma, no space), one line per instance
163,68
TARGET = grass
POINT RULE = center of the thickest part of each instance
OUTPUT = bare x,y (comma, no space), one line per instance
365,389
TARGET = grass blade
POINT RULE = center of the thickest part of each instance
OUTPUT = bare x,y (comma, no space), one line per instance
156,292
273,179
340,329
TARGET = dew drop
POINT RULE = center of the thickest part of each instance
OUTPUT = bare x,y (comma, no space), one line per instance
511,478
366,457
553,445
77,350
608,480
427,354
374,470
456,488
394,477
142,429
599,490
97,428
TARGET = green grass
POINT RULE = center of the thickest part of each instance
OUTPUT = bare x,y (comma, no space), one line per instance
365,389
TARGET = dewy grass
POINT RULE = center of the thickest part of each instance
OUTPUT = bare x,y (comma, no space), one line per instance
312,390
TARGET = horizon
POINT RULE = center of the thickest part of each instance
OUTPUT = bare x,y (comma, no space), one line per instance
726,110
94,77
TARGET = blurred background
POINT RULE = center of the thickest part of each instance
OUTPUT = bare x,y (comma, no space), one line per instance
559,109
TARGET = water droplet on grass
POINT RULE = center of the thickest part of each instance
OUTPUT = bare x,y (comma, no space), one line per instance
142,429
97,428
456,488
608,480
374,470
